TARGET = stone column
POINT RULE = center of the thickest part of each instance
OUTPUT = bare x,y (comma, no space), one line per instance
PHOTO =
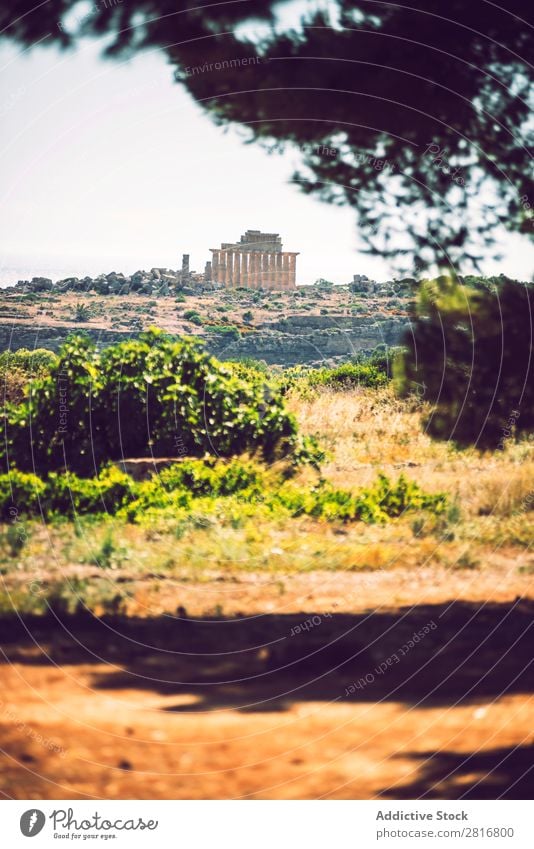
229,268
269,278
237,268
214,265
279,278
224,269
292,270
255,258
264,270
185,268
285,270
244,269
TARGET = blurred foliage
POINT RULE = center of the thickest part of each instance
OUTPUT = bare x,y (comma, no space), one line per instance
18,368
348,376
470,353
196,487
82,313
20,493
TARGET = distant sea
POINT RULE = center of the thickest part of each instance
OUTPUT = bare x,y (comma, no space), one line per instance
13,269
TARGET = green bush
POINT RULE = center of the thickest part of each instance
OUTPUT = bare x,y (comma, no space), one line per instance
348,375
69,495
382,357
470,353
229,331
377,503
134,399
200,487
249,369
20,494
82,313
214,477
18,368
367,369
33,363
193,316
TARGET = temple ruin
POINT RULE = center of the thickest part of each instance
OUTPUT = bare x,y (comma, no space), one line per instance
257,261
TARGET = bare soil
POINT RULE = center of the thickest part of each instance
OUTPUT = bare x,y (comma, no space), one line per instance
288,697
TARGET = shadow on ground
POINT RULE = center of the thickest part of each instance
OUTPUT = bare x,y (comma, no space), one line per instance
503,773
463,652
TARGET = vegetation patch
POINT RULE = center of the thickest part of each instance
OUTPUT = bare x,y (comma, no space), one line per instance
199,487
470,353
150,396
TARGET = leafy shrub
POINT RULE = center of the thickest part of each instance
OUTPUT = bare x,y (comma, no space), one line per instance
470,353
150,499
20,494
377,503
134,399
248,368
69,495
229,331
348,376
193,316
214,477
18,368
367,369
382,357
34,363
199,488
82,313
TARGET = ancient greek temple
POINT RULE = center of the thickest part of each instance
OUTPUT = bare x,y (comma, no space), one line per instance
257,261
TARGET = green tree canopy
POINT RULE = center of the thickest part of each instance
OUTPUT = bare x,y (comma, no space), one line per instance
470,353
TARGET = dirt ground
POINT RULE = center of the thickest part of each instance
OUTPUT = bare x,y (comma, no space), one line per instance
320,693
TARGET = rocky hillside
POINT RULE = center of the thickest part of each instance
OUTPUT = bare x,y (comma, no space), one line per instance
312,324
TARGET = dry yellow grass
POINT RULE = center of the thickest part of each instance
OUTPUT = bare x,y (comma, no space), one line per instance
366,431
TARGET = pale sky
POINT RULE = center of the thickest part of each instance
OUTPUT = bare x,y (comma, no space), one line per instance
108,166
